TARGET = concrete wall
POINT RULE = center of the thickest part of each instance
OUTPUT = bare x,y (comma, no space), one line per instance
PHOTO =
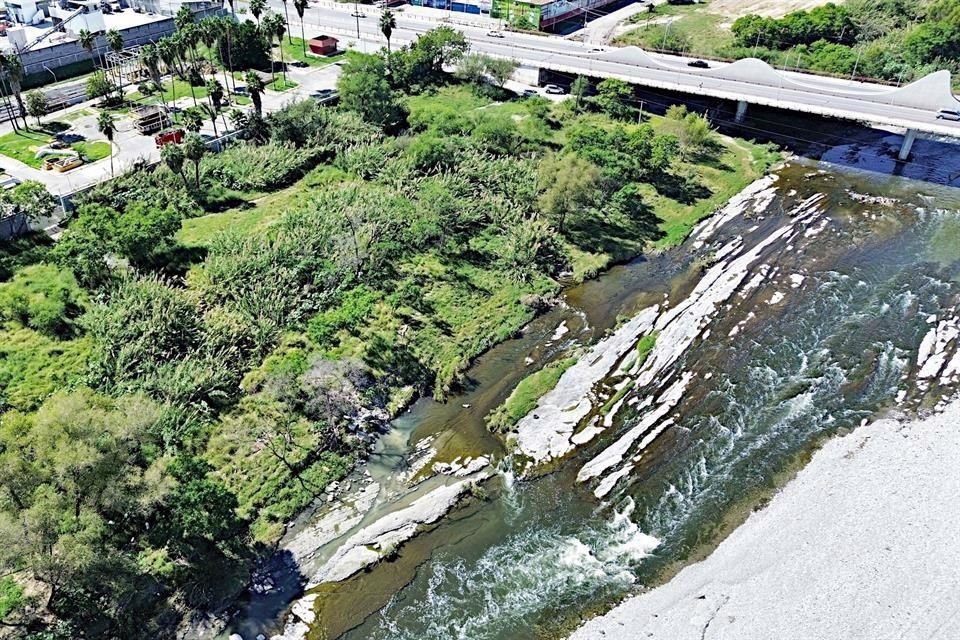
13,226
66,53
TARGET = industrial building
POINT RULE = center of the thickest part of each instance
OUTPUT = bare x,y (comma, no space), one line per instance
45,33
542,15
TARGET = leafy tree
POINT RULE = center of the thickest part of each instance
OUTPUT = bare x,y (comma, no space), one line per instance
613,98
578,89
150,58
37,104
501,69
248,48
421,63
108,128
98,85
569,186
30,198
364,88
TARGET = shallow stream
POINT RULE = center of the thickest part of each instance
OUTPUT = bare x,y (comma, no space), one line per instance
798,311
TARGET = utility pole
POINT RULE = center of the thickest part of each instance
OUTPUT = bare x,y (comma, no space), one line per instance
356,14
640,115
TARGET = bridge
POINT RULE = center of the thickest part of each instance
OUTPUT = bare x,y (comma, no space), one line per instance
912,107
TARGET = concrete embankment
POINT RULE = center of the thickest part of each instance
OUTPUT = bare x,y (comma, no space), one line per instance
861,544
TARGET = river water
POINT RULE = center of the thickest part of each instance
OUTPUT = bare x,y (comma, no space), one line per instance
797,312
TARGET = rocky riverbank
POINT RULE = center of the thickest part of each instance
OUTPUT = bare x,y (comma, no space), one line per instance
860,545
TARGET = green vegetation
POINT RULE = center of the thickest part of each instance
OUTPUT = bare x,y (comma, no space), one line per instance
892,40
644,346
22,145
282,84
214,340
523,399
294,51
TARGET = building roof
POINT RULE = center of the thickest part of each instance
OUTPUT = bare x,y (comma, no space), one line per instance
122,20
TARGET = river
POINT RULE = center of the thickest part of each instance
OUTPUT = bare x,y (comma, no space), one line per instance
798,311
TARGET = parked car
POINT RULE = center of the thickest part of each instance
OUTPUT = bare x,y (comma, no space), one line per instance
948,114
554,89
300,64
529,93
699,64
494,34
325,96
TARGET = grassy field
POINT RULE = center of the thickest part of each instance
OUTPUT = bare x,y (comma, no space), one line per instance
282,84
294,51
23,145
694,27
172,91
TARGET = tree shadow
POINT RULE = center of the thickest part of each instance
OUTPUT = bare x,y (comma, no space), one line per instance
683,189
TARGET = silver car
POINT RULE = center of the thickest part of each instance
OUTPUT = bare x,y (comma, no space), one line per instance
948,114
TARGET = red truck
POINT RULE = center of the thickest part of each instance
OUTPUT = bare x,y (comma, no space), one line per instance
166,137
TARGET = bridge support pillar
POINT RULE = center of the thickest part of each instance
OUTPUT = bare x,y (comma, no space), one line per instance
741,111
908,139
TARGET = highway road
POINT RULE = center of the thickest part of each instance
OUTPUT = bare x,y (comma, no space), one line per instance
911,108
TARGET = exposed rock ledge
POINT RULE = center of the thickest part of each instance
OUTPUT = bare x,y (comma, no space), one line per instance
861,544
375,542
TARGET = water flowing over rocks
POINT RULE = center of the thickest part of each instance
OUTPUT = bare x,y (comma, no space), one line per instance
860,545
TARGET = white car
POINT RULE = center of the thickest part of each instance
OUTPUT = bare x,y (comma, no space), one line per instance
948,114
554,89
494,34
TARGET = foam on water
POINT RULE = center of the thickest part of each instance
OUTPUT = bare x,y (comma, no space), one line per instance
513,580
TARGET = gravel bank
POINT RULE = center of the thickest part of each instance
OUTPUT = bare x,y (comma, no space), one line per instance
862,545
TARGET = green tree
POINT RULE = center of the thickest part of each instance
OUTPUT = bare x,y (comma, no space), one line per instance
149,57
500,69
363,88
37,104
194,148
193,119
172,156
578,89
613,98
301,7
87,40
388,22
32,199
108,128
98,85
257,7
115,42
255,89
12,67
569,186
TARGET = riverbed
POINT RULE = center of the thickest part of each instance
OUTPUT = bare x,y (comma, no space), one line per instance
813,302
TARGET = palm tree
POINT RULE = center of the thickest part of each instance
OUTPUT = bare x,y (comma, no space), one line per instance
388,22
257,8
226,25
115,42
167,50
279,27
13,68
255,89
194,148
301,7
286,12
88,41
188,37
193,119
150,59
107,127
215,93
172,155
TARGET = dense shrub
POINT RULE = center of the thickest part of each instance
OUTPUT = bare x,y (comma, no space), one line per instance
263,168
